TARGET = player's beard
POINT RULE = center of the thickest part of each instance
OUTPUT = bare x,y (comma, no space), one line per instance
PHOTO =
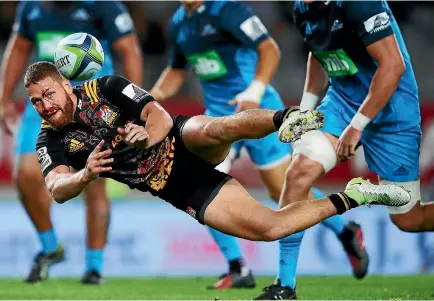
64,115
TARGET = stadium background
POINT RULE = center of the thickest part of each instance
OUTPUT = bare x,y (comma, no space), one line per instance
148,237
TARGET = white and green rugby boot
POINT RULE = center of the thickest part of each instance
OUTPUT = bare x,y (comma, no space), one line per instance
365,193
296,123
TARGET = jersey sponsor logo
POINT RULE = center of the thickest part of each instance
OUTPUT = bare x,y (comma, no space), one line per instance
63,61
377,23
44,158
75,146
253,28
207,65
124,23
208,30
46,43
135,93
336,62
108,115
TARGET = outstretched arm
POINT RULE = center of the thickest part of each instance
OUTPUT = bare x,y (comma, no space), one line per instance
64,185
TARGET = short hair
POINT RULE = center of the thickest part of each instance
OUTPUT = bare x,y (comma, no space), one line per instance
40,70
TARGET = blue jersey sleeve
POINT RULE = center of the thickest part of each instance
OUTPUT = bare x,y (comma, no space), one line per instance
116,20
177,59
20,24
239,20
372,19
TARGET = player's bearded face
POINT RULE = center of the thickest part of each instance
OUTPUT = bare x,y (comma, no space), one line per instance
52,102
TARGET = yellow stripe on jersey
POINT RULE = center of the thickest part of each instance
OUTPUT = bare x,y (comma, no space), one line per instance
90,88
45,125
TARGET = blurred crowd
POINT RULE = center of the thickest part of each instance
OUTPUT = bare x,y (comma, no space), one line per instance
151,18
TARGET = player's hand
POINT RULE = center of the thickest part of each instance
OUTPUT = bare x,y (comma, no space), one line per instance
96,162
8,116
244,104
346,147
136,135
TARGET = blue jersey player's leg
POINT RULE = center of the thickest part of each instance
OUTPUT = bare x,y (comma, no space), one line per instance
35,198
36,31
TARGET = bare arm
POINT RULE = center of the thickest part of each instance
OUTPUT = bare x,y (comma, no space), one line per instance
64,185
390,69
132,59
316,77
157,127
168,84
315,83
268,61
158,122
14,60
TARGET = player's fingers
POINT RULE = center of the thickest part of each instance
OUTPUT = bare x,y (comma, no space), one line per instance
103,169
102,154
98,148
102,162
142,137
232,102
121,131
131,134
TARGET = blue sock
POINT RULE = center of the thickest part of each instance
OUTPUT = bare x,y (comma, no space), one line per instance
289,247
336,223
48,241
228,244
94,260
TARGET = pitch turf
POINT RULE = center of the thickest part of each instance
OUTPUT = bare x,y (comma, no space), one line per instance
336,288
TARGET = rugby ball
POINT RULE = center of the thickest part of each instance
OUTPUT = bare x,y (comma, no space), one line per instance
79,56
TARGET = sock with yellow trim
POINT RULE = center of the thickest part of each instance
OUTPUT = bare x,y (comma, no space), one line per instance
342,202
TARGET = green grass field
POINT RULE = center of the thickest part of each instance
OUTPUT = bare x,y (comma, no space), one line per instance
372,288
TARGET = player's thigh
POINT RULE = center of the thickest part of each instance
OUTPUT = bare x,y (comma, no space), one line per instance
271,158
394,157
235,212
27,169
198,141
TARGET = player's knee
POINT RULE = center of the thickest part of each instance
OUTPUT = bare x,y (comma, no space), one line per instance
410,217
28,175
317,152
299,174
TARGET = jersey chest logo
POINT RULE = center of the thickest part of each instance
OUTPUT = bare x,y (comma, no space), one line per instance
336,62
207,65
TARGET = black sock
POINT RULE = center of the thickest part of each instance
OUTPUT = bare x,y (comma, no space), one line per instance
342,202
236,265
281,115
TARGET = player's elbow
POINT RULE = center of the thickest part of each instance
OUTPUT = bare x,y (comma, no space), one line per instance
396,66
